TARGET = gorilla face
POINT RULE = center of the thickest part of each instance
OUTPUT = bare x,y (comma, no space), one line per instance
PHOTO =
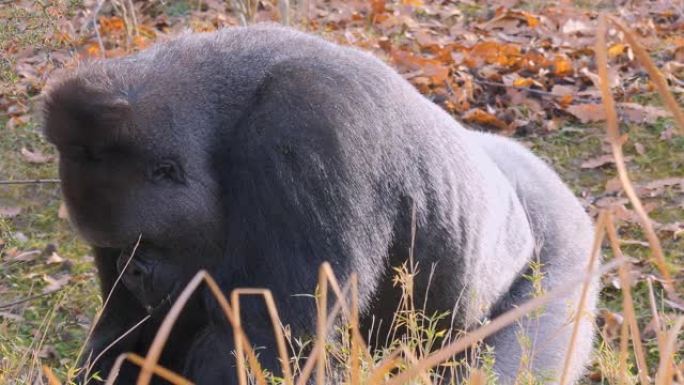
128,172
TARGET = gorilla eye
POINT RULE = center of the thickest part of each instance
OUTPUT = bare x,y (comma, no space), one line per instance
166,170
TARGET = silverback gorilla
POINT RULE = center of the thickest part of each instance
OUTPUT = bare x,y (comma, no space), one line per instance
258,153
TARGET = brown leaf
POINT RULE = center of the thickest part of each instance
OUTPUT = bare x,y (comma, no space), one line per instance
612,322
601,161
637,113
35,157
9,212
479,116
588,113
54,258
62,212
562,66
55,284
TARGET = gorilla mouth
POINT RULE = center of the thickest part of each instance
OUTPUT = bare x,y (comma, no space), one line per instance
154,282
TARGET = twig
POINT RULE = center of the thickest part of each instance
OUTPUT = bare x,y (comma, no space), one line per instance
603,218
29,181
628,302
616,141
527,89
97,27
27,299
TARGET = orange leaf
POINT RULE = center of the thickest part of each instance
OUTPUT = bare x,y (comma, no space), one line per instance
111,24
93,50
378,6
587,113
413,3
522,82
616,50
479,116
562,66
531,20
437,72
490,52
565,100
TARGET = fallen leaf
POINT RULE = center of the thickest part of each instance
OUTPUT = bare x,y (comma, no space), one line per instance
25,256
9,212
479,116
601,161
637,113
35,157
616,50
62,212
573,26
587,113
562,66
54,258
11,316
612,322
54,284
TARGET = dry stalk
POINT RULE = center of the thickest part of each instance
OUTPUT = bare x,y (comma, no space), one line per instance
616,141
655,74
654,313
354,357
98,315
159,370
664,375
164,331
51,378
628,303
591,266
624,346
321,331
239,349
275,321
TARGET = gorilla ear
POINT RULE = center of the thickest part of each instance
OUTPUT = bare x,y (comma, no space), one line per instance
78,111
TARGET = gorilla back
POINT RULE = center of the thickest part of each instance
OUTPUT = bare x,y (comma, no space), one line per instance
258,153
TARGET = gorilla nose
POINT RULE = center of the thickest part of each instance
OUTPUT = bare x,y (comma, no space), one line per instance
134,272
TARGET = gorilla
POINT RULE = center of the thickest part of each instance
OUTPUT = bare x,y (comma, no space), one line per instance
258,153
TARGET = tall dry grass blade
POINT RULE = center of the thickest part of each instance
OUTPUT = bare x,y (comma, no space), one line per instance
591,266
664,376
384,367
628,303
116,341
498,323
159,370
413,360
477,377
335,286
660,336
616,141
267,295
354,356
622,358
655,74
164,331
320,343
98,315
321,330
239,349
51,378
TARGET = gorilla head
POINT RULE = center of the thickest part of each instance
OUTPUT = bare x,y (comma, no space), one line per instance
123,181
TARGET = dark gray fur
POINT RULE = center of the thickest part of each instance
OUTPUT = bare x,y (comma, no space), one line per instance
288,151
